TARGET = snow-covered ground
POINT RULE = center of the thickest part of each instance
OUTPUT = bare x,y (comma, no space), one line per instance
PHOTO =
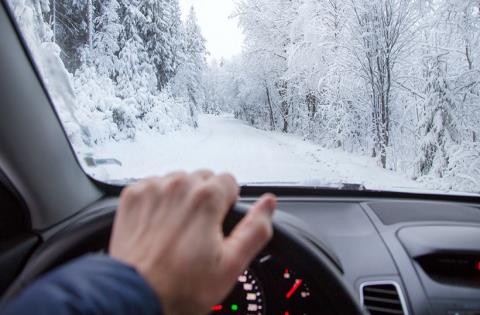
222,143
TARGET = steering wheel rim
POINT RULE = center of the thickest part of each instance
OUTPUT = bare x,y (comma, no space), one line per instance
92,233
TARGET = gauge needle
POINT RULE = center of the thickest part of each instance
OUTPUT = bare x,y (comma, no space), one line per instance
297,284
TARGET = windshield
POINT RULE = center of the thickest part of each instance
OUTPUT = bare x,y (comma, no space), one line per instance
379,93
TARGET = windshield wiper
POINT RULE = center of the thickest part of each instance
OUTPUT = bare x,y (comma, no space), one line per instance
314,184
351,186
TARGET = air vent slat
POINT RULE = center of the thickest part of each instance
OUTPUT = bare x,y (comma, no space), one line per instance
380,310
392,292
377,299
383,299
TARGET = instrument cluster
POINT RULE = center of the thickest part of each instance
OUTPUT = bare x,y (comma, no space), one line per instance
272,286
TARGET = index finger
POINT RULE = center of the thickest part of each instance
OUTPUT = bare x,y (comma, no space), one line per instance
249,237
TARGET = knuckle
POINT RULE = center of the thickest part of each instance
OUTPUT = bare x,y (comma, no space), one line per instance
129,193
173,174
204,193
228,177
179,176
229,180
176,182
170,186
152,187
204,173
208,172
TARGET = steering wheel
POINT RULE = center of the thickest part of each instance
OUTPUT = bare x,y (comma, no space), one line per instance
92,233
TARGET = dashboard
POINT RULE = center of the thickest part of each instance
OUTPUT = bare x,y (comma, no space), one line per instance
398,257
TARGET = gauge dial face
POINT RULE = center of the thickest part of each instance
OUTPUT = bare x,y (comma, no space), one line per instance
246,299
295,291
288,291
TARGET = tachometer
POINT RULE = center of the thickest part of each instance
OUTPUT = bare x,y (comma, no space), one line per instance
246,299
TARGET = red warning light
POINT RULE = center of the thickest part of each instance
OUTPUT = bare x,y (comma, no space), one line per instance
217,308
477,265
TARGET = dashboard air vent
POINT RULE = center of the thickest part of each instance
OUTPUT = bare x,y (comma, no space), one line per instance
383,298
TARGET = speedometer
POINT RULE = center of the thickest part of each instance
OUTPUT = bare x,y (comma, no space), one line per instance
295,291
274,285
246,299
288,289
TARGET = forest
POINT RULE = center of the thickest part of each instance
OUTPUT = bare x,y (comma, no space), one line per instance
395,80
116,67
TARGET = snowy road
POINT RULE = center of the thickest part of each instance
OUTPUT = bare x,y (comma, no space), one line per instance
226,144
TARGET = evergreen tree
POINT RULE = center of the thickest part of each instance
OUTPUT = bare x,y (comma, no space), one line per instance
106,46
73,24
162,34
135,74
189,80
437,129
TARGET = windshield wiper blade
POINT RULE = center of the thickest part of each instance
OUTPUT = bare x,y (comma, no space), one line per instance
309,184
334,185
352,186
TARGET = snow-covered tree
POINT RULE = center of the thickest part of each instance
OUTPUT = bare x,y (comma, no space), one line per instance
189,80
73,24
460,36
381,32
162,34
105,41
213,77
437,130
136,76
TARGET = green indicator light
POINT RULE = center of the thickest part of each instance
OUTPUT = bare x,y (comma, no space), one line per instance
234,307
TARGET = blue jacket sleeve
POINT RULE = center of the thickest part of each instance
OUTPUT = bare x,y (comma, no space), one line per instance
93,285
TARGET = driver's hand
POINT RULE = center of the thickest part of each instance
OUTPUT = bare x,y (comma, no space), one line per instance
170,230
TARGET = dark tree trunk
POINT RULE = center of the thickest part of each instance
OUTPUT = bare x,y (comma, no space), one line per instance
270,109
311,101
285,121
282,91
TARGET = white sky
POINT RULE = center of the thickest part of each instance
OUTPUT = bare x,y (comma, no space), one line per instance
224,37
